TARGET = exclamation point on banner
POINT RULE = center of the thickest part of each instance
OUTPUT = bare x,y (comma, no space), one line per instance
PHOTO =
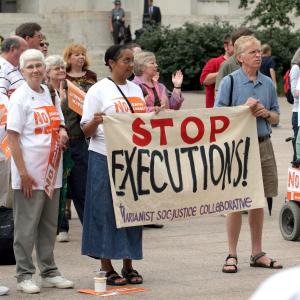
246,154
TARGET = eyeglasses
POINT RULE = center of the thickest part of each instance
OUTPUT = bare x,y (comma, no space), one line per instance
44,44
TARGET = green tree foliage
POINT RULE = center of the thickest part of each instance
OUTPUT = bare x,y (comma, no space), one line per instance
191,46
272,13
187,48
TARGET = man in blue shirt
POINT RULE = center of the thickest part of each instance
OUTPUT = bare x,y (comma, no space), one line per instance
247,86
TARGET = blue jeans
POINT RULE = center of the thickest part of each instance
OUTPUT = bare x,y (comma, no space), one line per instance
77,179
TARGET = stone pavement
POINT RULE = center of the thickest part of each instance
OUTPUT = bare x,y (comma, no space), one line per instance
184,259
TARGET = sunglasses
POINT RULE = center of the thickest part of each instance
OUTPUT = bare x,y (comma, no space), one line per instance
44,44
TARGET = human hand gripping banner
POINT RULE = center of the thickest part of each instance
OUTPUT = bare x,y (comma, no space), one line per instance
184,164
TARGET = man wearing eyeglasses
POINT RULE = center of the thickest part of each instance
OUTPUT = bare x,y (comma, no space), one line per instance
247,86
31,33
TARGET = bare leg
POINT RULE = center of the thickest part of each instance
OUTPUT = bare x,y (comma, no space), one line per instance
233,225
107,266
127,266
256,220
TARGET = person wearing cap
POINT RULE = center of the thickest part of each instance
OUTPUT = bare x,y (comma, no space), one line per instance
116,22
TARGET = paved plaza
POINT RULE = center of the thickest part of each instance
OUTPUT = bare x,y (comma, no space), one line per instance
184,259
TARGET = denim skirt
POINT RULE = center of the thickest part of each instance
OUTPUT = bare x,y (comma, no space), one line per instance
101,238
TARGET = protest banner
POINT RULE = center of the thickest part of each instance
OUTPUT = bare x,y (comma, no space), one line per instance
293,184
3,115
5,147
75,97
53,164
183,164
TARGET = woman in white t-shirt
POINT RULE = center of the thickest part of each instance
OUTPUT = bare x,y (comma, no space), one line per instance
101,239
34,122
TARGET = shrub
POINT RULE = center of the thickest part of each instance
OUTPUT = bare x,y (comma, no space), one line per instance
187,48
192,45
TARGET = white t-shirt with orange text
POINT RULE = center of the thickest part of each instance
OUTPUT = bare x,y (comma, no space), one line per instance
33,116
105,97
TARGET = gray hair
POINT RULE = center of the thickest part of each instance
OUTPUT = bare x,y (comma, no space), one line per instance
31,54
240,43
140,60
296,57
8,43
54,60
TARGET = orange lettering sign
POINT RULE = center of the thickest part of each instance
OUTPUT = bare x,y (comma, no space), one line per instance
75,98
3,115
5,148
53,164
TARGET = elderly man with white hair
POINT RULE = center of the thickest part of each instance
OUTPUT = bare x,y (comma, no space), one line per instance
33,118
248,86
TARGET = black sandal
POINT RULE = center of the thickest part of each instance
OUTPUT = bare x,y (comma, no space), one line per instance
132,274
254,262
112,277
224,270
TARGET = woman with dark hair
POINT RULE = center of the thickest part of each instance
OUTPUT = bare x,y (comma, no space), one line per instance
101,239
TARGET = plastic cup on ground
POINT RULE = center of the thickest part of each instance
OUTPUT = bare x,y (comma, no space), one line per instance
101,274
100,284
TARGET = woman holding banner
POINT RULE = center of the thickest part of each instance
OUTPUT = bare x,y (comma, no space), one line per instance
101,239
36,132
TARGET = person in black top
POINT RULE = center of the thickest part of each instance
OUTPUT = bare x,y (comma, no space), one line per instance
268,63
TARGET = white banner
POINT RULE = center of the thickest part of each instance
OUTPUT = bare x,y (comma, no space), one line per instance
183,164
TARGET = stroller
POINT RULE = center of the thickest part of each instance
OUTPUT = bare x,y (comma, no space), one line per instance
289,217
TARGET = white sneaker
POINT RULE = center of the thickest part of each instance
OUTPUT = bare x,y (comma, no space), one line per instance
58,282
28,286
63,237
3,290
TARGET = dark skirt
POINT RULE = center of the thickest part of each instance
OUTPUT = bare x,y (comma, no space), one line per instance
101,238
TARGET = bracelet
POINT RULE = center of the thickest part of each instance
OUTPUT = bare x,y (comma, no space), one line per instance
177,87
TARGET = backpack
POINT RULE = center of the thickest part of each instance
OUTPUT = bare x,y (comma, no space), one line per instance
287,87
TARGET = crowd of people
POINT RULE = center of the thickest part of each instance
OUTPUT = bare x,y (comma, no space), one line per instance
34,97
34,102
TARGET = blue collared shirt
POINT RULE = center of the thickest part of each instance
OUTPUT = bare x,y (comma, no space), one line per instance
261,89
